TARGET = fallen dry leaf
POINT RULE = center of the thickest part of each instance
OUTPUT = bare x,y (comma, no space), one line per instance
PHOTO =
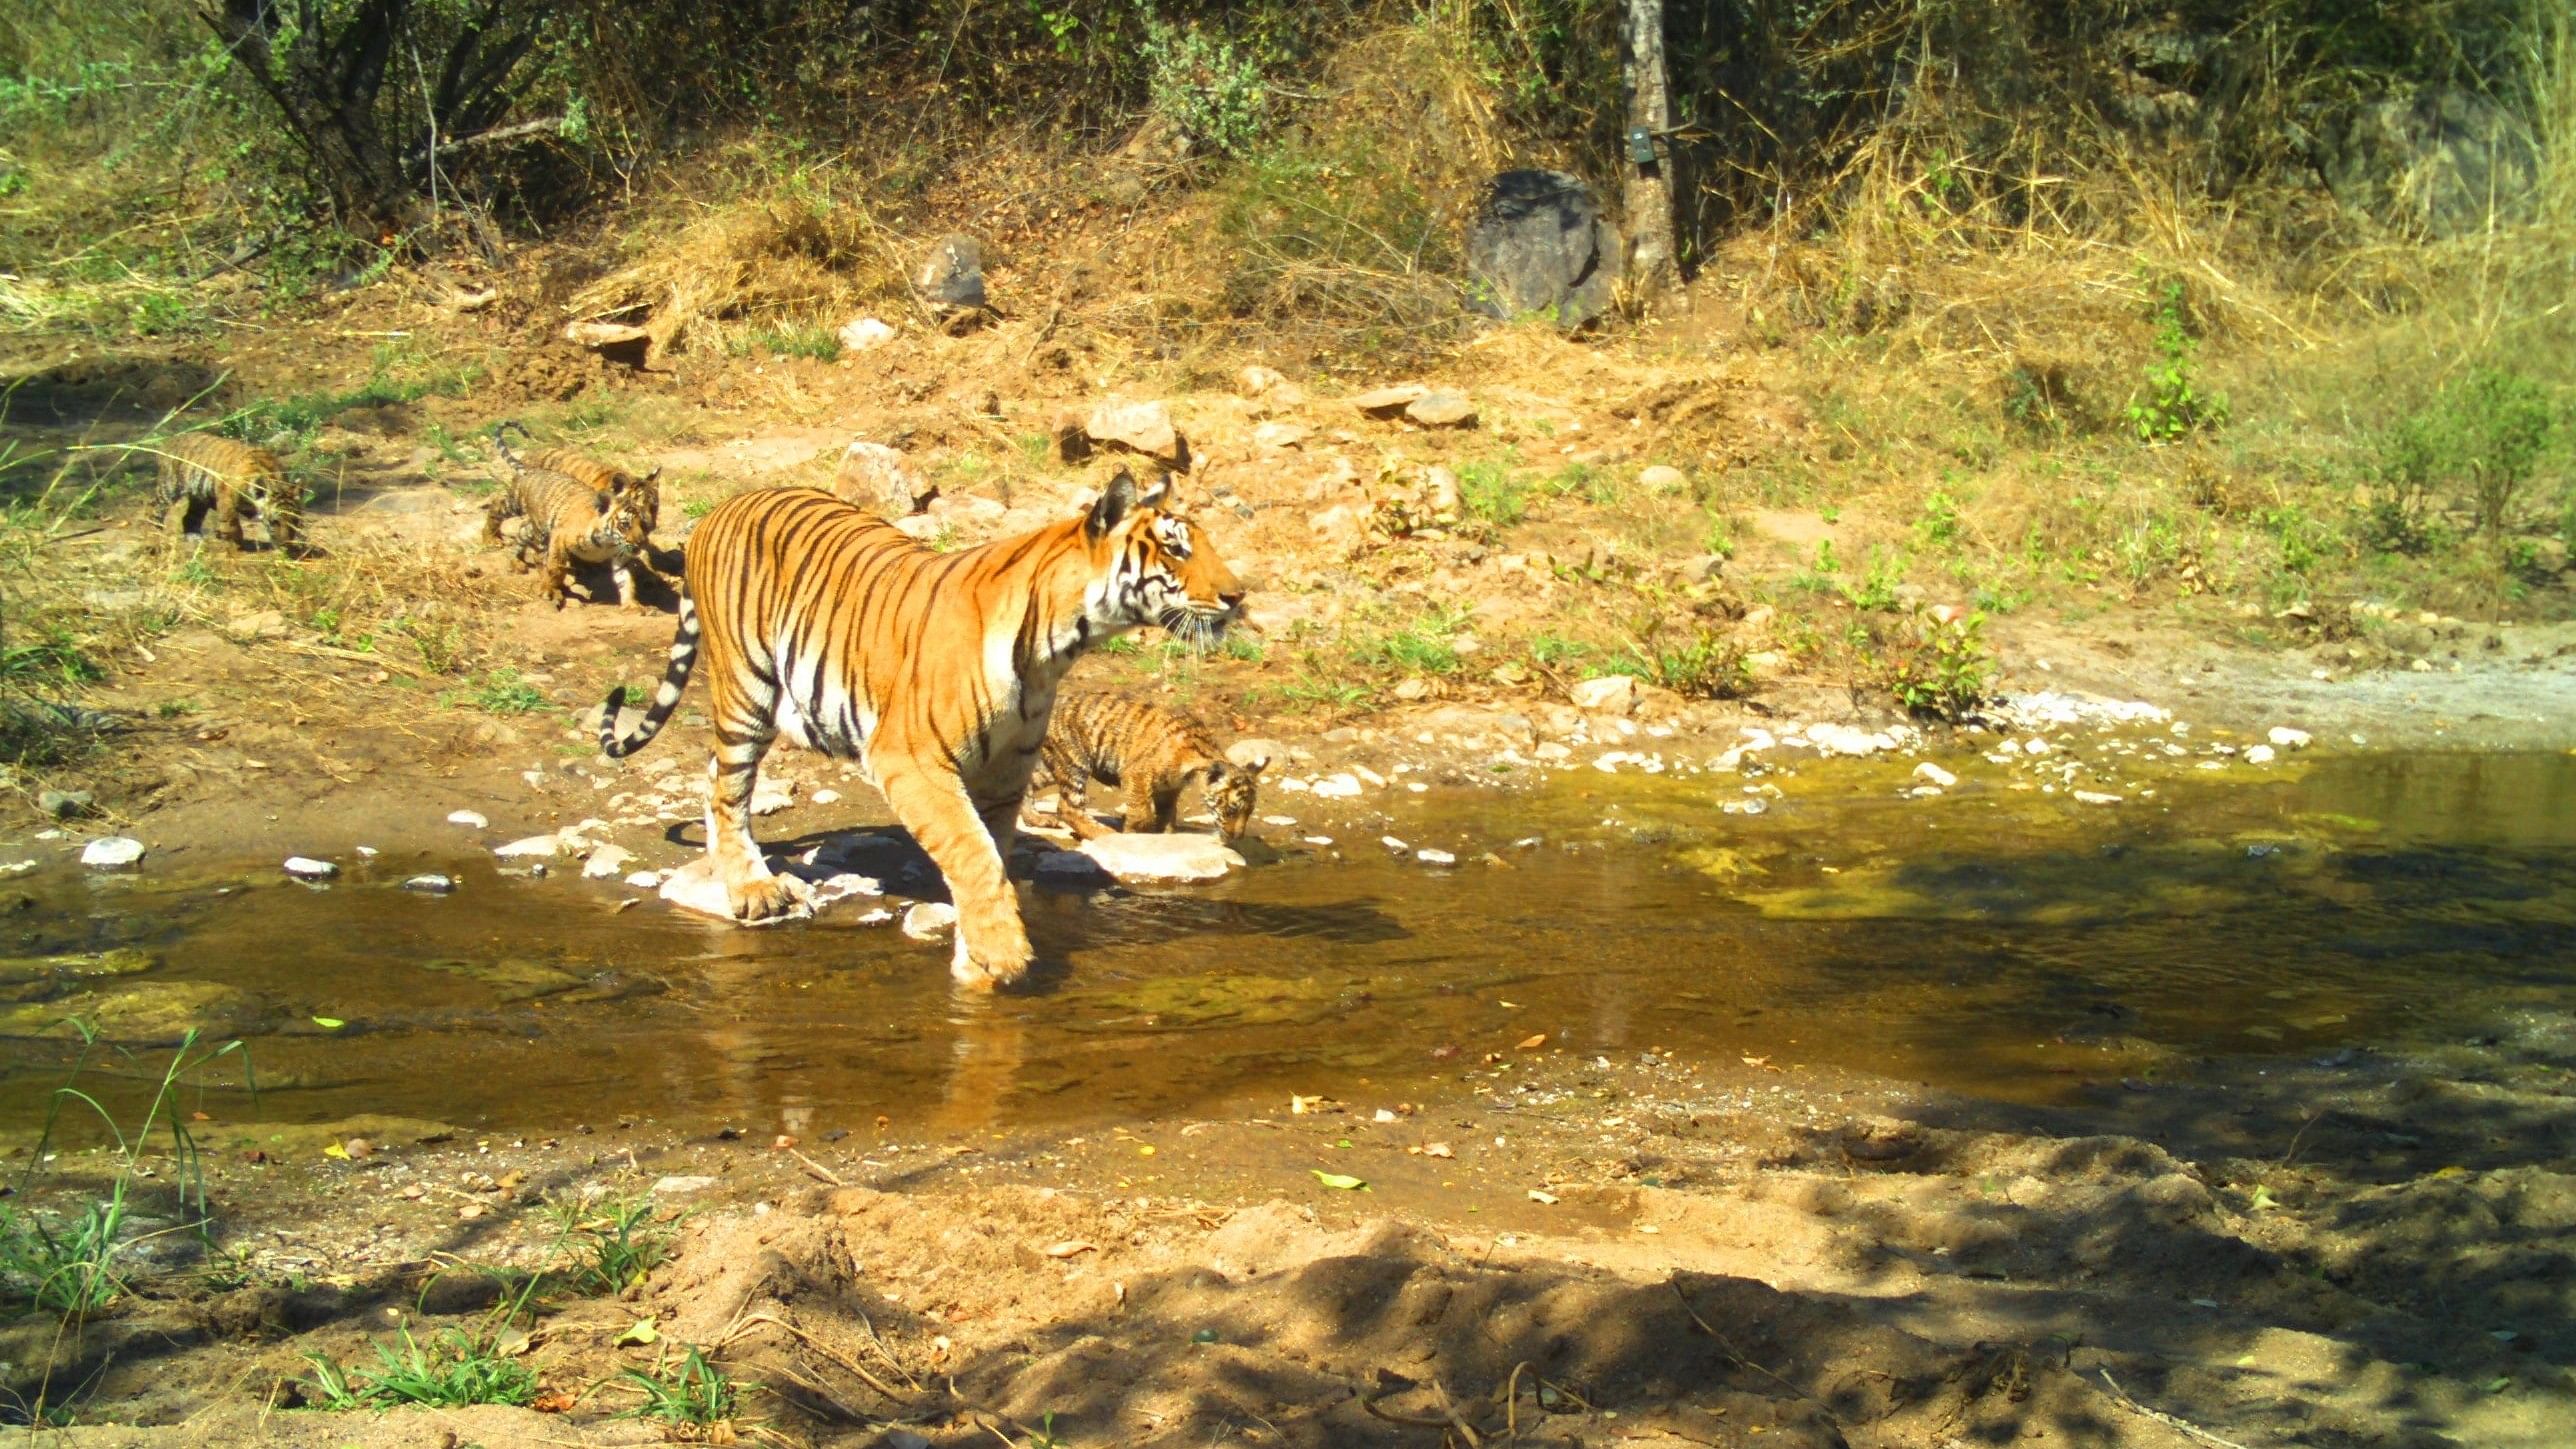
1071,1247
1534,1043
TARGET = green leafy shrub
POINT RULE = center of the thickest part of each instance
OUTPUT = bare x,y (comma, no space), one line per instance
1213,92
2486,437
1945,671
2173,403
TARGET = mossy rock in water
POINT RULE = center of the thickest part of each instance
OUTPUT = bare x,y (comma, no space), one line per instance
1722,862
33,978
142,1013
1242,1000
510,979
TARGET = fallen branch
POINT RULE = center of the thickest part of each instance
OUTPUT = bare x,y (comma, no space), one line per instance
497,135
829,1352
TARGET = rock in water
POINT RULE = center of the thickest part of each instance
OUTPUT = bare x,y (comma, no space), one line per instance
470,819
305,867
112,852
66,804
1161,859
877,478
431,885
953,275
1539,245
929,920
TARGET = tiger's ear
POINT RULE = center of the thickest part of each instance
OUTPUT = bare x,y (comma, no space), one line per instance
1161,495
649,479
1115,504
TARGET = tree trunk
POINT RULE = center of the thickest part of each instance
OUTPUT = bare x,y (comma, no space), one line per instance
1648,202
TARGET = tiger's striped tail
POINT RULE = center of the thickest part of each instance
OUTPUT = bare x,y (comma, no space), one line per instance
675,678
501,443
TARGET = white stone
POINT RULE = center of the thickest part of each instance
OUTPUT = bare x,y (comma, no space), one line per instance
646,880
1610,693
17,867
1836,739
529,847
471,820
1319,840
2289,739
112,852
1338,787
678,1186
2258,754
1662,478
606,861
1932,774
929,920
2034,746
1391,843
1162,859
862,333
432,884
307,868
1279,435
825,797
1145,427
2095,797
1552,751
1435,857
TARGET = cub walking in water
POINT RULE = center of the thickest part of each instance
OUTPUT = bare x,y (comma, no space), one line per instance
202,473
569,520
1150,751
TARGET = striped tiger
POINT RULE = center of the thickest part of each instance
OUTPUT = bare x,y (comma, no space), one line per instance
567,522
1153,753
203,473
600,476
938,671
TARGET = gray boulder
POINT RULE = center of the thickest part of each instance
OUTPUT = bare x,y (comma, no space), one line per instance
953,276
1539,244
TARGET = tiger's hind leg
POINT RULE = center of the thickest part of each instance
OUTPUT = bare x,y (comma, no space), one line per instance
992,946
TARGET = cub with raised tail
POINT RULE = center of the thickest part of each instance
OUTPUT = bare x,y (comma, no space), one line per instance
822,622
569,522
1151,752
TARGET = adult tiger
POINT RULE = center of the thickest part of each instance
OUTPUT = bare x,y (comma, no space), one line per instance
937,671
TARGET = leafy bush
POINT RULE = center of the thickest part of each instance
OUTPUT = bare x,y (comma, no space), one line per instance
1215,94
456,1372
1946,670
2486,436
1490,493
2173,403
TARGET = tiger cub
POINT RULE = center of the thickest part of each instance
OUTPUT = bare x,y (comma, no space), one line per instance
605,478
1153,753
567,522
202,473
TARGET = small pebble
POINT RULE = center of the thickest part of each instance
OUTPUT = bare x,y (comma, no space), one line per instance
471,820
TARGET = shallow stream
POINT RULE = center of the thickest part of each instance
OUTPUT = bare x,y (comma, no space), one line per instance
1999,940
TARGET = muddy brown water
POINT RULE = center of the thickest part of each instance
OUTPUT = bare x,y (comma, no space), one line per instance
1994,941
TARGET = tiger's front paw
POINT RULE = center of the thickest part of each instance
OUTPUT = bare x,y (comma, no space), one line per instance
765,898
990,968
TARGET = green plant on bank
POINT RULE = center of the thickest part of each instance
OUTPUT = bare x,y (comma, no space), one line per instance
69,1266
611,1244
1491,494
806,339
691,1392
1946,670
1425,644
502,691
1876,588
1704,664
1215,93
2485,437
453,1372
2173,403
